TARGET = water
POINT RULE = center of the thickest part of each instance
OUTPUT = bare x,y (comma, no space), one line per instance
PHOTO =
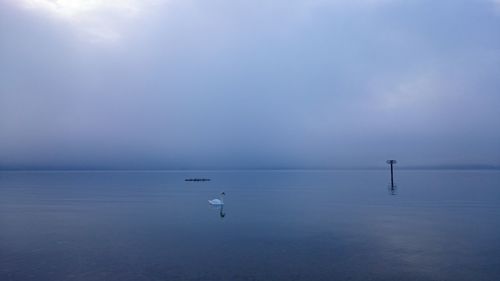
276,225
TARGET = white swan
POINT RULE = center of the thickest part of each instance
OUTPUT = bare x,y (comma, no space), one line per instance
217,201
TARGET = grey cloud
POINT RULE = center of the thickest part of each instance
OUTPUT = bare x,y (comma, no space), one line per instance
255,84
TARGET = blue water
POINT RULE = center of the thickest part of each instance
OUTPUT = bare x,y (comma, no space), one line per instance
275,225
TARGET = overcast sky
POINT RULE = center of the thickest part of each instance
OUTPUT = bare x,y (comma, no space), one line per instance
248,84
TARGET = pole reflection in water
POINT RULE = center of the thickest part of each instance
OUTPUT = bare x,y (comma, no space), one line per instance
393,189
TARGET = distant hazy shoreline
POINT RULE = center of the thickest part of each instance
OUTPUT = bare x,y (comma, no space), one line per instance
451,167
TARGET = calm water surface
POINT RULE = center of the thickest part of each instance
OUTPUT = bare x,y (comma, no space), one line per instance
275,225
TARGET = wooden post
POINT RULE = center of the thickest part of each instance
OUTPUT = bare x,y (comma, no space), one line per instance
392,176
391,162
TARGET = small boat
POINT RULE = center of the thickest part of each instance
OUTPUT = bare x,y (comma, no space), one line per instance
197,179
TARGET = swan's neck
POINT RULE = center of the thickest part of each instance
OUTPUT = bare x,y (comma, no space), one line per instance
221,198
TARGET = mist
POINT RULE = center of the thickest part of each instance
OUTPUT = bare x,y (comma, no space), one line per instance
249,84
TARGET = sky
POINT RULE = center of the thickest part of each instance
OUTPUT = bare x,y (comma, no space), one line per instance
193,84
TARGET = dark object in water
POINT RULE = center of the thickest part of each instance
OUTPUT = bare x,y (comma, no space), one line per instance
197,179
391,162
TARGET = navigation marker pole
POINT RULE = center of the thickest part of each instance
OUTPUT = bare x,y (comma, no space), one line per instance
392,162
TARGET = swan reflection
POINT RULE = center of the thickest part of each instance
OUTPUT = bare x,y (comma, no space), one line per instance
220,208
222,214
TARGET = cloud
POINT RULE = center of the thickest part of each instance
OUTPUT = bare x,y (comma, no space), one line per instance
497,5
250,83
94,20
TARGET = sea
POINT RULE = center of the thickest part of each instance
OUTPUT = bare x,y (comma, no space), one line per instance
274,225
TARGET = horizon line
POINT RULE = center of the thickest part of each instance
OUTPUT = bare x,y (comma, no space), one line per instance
399,167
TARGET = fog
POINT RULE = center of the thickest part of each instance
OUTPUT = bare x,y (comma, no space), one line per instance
176,84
